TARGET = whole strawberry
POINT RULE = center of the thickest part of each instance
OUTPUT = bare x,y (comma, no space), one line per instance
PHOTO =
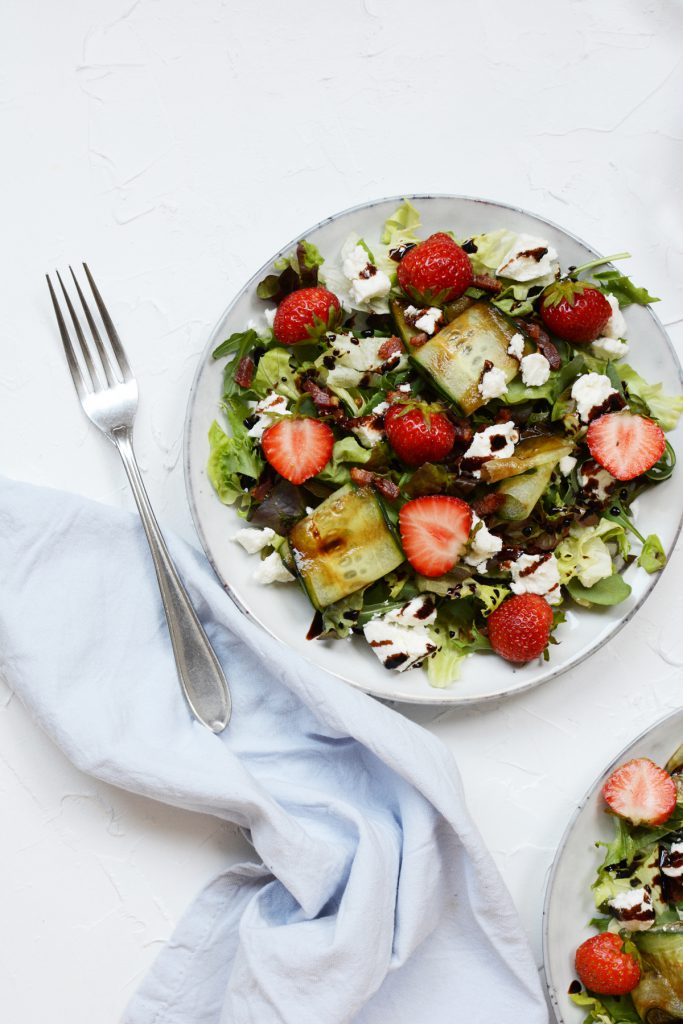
575,311
604,968
419,433
435,271
304,314
519,629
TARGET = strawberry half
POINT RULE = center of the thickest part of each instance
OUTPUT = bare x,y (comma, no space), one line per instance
519,628
298,448
436,270
434,531
418,433
641,792
625,444
603,967
575,311
305,313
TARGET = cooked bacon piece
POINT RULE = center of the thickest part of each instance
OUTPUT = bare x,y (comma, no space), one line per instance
389,348
487,283
365,478
545,346
323,399
488,504
244,372
463,431
418,340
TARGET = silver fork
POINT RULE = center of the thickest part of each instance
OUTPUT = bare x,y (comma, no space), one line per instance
108,392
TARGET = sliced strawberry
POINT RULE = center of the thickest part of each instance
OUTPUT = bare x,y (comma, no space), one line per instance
641,792
298,448
625,444
434,531
603,967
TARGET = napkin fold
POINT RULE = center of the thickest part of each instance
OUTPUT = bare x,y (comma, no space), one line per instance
370,899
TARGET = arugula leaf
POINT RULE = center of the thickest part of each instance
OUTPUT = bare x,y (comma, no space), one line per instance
608,591
238,344
613,282
230,458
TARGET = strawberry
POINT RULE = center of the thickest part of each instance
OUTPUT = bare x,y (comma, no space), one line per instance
298,448
519,628
603,967
625,444
575,311
641,792
419,433
435,271
305,313
434,532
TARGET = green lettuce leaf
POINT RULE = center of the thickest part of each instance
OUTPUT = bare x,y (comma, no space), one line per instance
275,373
607,1009
606,592
491,247
346,450
584,554
652,557
230,458
401,226
456,636
666,409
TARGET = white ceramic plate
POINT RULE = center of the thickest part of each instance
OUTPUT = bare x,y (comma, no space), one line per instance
568,903
284,610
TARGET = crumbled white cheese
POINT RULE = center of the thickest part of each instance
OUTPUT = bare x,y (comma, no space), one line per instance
516,346
610,348
271,404
535,370
482,545
405,388
270,315
253,540
595,480
674,872
398,647
365,280
525,260
380,409
368,435
419,611
536,574
428,319
482,445
616,325
272,570
355,260
590,391
493,384
638,900
567,463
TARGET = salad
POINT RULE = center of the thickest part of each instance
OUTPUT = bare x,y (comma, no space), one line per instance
441,440
632,970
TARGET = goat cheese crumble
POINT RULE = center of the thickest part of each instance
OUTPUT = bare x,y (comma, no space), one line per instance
516,346
528,258
272,570
271,404
495,442
590,391
536,574
535,370
253,540
483,544
493,384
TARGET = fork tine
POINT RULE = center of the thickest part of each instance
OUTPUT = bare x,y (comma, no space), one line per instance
85,348
105,358
80,383
116,345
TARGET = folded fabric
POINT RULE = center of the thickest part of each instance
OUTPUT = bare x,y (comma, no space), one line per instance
371,897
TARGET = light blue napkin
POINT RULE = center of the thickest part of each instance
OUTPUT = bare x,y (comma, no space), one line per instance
371,897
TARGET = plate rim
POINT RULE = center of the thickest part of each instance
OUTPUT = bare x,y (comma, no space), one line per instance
670,716
439,699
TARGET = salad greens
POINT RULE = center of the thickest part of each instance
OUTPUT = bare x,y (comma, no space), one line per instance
548,499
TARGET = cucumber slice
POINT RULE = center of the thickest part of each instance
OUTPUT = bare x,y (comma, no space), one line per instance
405,330
456,356
343,546
522,492
533,451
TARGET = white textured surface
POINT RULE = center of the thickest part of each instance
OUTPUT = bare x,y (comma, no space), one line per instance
176,144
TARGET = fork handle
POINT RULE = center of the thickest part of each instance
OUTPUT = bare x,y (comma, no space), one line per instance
201,676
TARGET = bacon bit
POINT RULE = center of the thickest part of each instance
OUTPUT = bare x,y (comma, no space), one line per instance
489,504
322,397
418,340
463,430
365,478
244,372
389,348
543,343
503,415
487,283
